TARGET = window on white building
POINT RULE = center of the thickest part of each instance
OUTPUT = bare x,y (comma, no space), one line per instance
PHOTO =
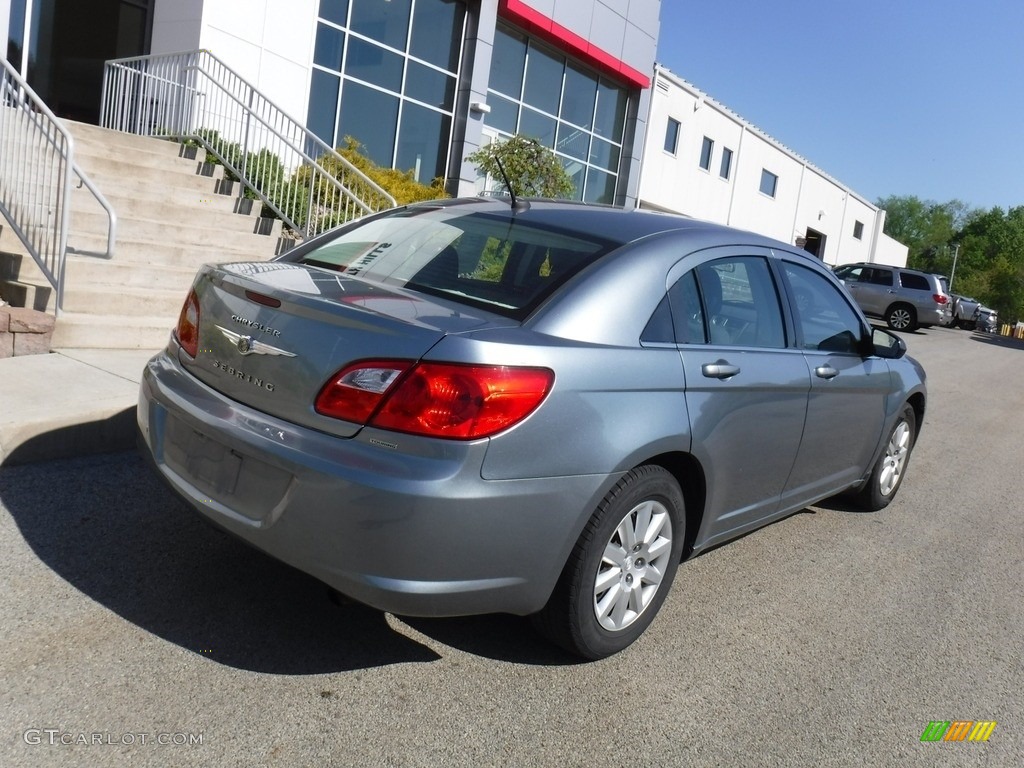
858,229
769,182
672,136
705,153
726,168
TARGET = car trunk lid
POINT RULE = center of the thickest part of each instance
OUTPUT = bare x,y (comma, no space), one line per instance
272,334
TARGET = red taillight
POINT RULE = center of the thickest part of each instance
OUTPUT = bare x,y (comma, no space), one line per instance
940,298
187,331
436,399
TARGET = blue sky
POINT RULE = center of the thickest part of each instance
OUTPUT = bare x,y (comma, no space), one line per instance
890,97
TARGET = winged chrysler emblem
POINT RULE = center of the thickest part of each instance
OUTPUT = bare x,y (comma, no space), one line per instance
247,345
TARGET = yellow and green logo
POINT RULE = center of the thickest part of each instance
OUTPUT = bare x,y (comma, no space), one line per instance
958,730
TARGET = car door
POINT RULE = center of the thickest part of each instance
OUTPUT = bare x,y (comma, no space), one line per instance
746,394
846,407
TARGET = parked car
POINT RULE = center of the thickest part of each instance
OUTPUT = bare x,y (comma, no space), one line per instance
986,320
905,298
964,310
471,406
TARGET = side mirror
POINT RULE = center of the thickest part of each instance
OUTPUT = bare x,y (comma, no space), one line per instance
887,345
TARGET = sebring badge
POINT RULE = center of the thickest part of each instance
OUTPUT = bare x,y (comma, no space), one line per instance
247,345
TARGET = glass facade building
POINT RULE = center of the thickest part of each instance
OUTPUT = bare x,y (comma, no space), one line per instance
537,91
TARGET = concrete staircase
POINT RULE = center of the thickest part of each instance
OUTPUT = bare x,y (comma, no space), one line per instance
174,214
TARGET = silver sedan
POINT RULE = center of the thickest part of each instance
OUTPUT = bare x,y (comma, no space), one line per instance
469,406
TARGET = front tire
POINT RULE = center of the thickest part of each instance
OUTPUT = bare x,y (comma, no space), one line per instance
888,472
621,569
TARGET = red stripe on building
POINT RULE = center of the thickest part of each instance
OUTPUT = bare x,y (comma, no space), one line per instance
536,23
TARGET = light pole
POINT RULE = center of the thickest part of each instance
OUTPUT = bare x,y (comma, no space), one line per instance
952,274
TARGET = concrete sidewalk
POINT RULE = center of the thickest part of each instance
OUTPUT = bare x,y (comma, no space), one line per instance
68,403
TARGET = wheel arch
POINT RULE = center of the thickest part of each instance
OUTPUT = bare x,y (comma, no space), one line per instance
901,303
688,472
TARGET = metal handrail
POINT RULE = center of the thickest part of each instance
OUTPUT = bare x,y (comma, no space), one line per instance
36,169
194,96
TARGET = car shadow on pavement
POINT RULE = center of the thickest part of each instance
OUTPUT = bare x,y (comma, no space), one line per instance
110,529
998,341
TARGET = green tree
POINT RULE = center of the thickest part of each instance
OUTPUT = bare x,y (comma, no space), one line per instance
990,263
927,229
533,170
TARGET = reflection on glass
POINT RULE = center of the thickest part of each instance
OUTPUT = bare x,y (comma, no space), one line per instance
611,111
543,80
573,141
374,64
335,11
330,43
578,99
323,105
508,59
386,22
430,86
370,117
538,126
600,187
605,155
504,114
437,32
423,142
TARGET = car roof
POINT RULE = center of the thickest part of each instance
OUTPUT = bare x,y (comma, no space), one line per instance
611,223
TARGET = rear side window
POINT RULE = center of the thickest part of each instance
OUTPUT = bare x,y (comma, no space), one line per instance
915,282
731,301
503,264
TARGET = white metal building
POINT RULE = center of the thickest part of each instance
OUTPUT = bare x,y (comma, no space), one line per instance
703,160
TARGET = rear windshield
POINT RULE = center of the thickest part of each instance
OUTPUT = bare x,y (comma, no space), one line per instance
505,264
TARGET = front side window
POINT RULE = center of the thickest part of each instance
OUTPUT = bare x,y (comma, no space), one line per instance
769,182
825,320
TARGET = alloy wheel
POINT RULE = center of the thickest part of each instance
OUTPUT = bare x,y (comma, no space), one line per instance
631,571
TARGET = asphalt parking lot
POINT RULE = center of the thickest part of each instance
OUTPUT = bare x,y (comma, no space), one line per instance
132,633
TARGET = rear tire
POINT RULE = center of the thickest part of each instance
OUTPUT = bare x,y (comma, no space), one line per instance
888,472
901,317
621,569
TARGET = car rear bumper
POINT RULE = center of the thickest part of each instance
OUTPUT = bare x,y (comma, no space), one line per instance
412,528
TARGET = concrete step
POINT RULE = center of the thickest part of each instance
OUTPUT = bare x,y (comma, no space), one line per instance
202,224
85,270
127,166
96,299
89,135
32,294
86,331
170,252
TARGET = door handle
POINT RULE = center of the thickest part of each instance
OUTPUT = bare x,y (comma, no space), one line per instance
719,370
825,372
